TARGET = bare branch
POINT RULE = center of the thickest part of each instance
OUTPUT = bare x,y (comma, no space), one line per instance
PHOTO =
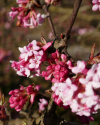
72,18
45,7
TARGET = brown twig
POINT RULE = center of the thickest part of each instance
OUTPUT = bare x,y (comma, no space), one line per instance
72,18
45,7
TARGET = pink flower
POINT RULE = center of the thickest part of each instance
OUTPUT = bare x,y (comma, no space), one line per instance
19,97
22,1
31,58
63,92
81,93
26,17
42,104
80,68
96,5
58,69
40,19
13,14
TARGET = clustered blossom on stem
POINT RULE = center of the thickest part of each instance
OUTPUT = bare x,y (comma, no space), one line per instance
96,5
81,94
31,58
27,17
58,69
42,104
19,97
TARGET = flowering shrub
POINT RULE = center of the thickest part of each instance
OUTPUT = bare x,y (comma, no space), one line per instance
75,84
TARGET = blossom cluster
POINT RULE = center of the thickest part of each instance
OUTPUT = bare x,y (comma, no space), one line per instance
19,97
31,58
27,17
58,69
81,93
96,5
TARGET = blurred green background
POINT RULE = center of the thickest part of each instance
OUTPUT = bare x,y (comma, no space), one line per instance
85,32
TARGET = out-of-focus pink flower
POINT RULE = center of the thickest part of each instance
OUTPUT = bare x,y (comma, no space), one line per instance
96,5
50,36
40,19
19,97
42,104
31,58
82,31
22,1
7,25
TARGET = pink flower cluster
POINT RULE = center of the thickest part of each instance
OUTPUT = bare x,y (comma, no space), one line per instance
26,17
31,58
42,104
81,93
58,69
96,5
19,97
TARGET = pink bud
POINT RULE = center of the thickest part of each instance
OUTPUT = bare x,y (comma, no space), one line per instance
64,57
32,98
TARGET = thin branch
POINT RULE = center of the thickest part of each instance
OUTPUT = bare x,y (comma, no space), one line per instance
45,7
72,18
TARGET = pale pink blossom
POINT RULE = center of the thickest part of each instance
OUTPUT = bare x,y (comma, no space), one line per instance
80,68
63,92
31,58
96,5
80,94
42,104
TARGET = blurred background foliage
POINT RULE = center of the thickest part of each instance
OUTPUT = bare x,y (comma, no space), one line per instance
85,32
